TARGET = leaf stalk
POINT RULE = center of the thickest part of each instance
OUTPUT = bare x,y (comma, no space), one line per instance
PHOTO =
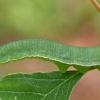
96,4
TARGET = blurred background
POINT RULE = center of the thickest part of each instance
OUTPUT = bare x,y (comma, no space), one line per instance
66,21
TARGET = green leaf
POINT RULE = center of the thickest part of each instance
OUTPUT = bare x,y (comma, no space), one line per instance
38,86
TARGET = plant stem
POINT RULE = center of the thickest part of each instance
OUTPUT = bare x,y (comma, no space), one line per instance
96,4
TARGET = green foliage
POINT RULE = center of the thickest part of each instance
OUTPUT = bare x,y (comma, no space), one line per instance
45,86
38,86
31,18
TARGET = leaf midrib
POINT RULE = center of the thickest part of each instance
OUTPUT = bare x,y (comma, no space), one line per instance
59,85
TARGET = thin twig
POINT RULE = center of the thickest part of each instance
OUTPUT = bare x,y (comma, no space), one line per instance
96,4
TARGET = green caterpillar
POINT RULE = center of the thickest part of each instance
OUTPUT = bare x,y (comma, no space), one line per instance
64,56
